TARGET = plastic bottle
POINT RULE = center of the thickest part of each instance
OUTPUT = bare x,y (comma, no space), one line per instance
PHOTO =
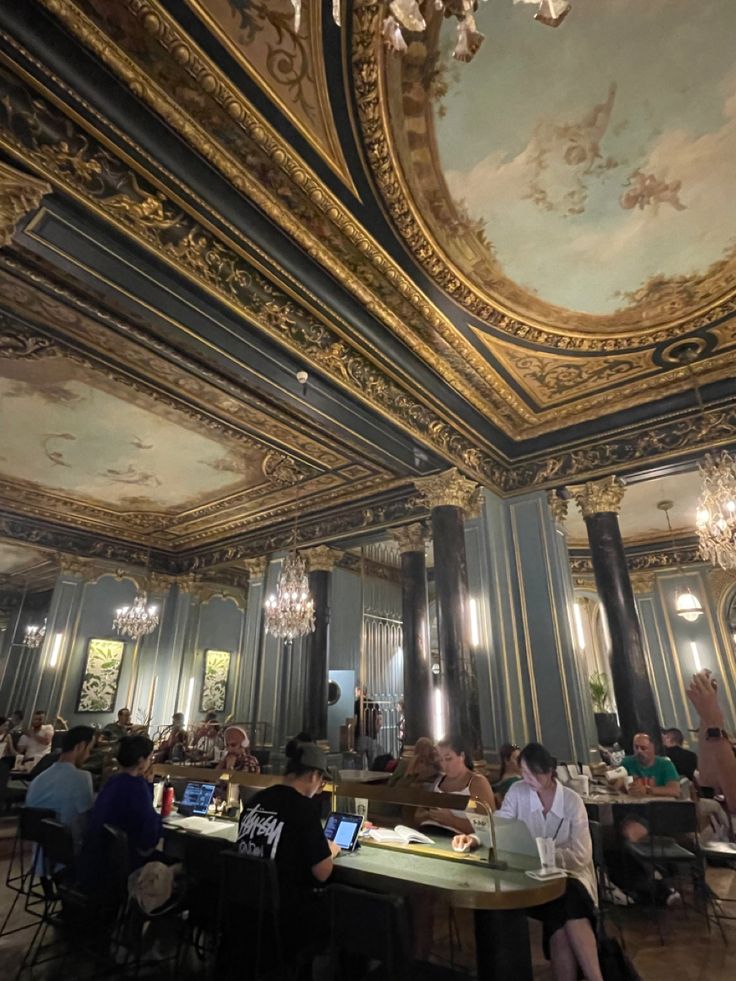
617,754
167,801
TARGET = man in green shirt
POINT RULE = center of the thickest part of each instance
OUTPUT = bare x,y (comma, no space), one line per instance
654,776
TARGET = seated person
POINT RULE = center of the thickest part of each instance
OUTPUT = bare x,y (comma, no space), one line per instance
282,823
420,770
7,746
654,776
174,742
551,810
510,770
209,720
65,788
235,756
457,777
115,731
36,741
125,802
686,762
207,743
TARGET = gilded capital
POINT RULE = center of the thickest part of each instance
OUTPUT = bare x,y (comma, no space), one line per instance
411,538
255,567
159,582
448,489
642,582
557,506
321,559
19,195
75,565
599,496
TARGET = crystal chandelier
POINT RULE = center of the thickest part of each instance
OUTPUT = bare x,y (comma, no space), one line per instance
137,620
715,517
290,613
34,635
406,16
687,604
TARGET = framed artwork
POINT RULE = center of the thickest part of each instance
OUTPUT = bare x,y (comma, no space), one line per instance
101,675
214,684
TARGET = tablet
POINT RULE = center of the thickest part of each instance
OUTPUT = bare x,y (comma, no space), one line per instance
343,829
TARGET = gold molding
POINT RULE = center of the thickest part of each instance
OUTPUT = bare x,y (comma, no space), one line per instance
20,194
322,558
558,507
447,489
411,538
642,582
255,567
599,496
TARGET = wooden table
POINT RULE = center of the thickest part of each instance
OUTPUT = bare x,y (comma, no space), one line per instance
600,806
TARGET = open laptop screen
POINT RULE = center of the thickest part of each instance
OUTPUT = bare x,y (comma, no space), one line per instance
197,798
343,829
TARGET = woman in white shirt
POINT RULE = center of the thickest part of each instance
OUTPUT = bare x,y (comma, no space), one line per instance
551,810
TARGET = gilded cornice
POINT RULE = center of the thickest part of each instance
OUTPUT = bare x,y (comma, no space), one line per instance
546,325
411,538
85,168
599,496
322,558
447,489
721,582
20,194
641,562
315,218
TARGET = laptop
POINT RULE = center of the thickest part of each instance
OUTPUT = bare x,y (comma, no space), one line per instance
197,799
514,836
343,829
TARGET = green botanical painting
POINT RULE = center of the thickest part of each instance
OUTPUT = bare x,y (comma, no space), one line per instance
214,686
101,676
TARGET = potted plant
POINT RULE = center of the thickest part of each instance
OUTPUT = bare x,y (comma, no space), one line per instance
606,723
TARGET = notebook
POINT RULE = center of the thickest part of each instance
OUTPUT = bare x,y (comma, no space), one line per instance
343,829
197,798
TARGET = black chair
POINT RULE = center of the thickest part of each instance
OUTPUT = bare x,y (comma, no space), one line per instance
668,821
23,873
371,926
200,855
129,935
249,889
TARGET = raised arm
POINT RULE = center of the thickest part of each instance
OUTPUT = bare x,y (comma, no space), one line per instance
716,762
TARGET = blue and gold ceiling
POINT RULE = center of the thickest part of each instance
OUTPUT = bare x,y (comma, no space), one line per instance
489,266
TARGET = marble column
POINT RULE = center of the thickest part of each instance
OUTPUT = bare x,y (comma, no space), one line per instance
449,495
415,633
321,562
600,503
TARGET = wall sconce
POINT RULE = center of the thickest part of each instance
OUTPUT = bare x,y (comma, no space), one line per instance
474,623
696,656
55,649
579,629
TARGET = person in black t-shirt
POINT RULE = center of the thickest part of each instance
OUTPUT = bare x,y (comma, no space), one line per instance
686,762
282,823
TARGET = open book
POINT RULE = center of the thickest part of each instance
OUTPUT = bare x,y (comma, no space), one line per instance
400,835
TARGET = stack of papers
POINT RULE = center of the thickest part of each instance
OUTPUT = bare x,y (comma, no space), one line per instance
400,835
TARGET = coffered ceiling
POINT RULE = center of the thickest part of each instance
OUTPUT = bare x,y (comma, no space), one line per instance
487,265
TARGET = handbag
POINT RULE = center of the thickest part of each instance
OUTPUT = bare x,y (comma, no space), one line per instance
615,965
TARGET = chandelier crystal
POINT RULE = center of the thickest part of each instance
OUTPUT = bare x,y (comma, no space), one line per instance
34,635
715,516
290,613
137,620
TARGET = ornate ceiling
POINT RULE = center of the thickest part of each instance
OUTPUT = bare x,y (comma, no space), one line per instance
481,265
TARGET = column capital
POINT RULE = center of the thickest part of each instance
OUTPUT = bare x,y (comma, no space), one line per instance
411,538
557,507
599,496
256,567
322,558
448,489
19,195
642,581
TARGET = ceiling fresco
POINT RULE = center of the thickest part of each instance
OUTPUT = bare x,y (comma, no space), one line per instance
577,178
16,559
83,435
486,265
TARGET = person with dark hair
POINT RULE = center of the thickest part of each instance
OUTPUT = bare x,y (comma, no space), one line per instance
551,810
36,742
510,770
685,761
457,777
125,802
115,731
63,787
282,824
